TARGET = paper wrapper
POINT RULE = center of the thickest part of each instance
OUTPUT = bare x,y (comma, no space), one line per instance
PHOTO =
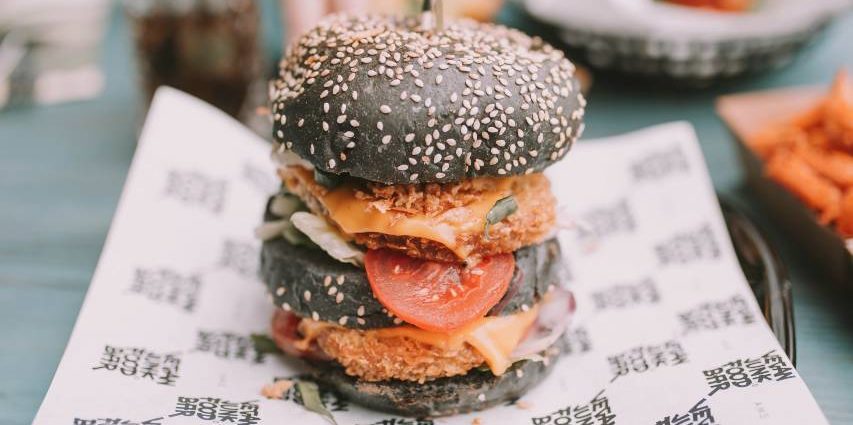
747,113
667,330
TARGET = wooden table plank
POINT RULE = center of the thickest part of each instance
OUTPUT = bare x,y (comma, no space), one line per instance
62,169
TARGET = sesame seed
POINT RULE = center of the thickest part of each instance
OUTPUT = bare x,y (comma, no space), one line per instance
307,295
315,316
360,310
285,306
341,279
360,321
339,298
280,290
480,74
343,320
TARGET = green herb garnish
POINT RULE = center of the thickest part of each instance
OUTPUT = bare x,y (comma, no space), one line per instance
502,209
311,400
264,344
327,180
294,237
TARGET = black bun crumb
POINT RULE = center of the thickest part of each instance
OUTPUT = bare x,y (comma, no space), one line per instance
340,293
476,390
380,99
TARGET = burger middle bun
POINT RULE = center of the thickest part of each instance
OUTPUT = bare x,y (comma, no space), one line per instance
310,283
381,99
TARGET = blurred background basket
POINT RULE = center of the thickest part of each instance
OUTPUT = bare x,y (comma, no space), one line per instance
684,44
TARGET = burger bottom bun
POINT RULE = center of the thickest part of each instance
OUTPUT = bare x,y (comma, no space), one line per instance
477,390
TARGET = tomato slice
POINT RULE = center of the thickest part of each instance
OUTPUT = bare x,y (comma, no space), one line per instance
437,296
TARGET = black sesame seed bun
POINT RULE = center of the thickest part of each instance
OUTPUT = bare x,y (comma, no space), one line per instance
312,284
377,98
476,390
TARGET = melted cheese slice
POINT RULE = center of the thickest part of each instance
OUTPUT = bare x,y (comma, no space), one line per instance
355,215
494,337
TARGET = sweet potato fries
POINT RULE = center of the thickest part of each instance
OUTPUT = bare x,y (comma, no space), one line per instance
811,155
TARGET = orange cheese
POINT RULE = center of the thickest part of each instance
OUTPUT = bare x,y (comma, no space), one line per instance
494,338
355,215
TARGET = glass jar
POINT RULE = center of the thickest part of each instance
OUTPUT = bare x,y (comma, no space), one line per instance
208,48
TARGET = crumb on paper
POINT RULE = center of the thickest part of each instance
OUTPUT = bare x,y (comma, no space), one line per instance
523,405
277,389
477,421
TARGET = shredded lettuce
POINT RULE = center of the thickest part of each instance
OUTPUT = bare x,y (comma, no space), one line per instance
327,238
285,204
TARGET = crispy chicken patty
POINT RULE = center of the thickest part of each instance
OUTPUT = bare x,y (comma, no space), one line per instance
374,358
531,223
369,356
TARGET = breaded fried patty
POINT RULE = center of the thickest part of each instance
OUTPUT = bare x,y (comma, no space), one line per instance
531,223
377,359
371,357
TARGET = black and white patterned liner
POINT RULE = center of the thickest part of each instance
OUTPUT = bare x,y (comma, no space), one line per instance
138,360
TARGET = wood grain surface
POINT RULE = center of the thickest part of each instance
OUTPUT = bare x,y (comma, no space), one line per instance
62,169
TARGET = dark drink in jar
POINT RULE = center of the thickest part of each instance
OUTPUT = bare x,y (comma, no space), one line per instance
208,48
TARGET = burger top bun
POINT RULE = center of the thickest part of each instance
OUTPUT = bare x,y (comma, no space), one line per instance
383,99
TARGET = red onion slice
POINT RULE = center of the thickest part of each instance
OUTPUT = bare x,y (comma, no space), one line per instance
555,314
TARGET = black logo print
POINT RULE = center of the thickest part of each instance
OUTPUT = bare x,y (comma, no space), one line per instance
403,421
117,421
621,296
227,345
577,341
241,257
660,164
260,178
699,414
596,412
607,220
168,287
219,410
742,373
647,357
716,315
689,246
141,363
197,189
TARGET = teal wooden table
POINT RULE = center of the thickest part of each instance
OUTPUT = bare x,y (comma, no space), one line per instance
62,169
